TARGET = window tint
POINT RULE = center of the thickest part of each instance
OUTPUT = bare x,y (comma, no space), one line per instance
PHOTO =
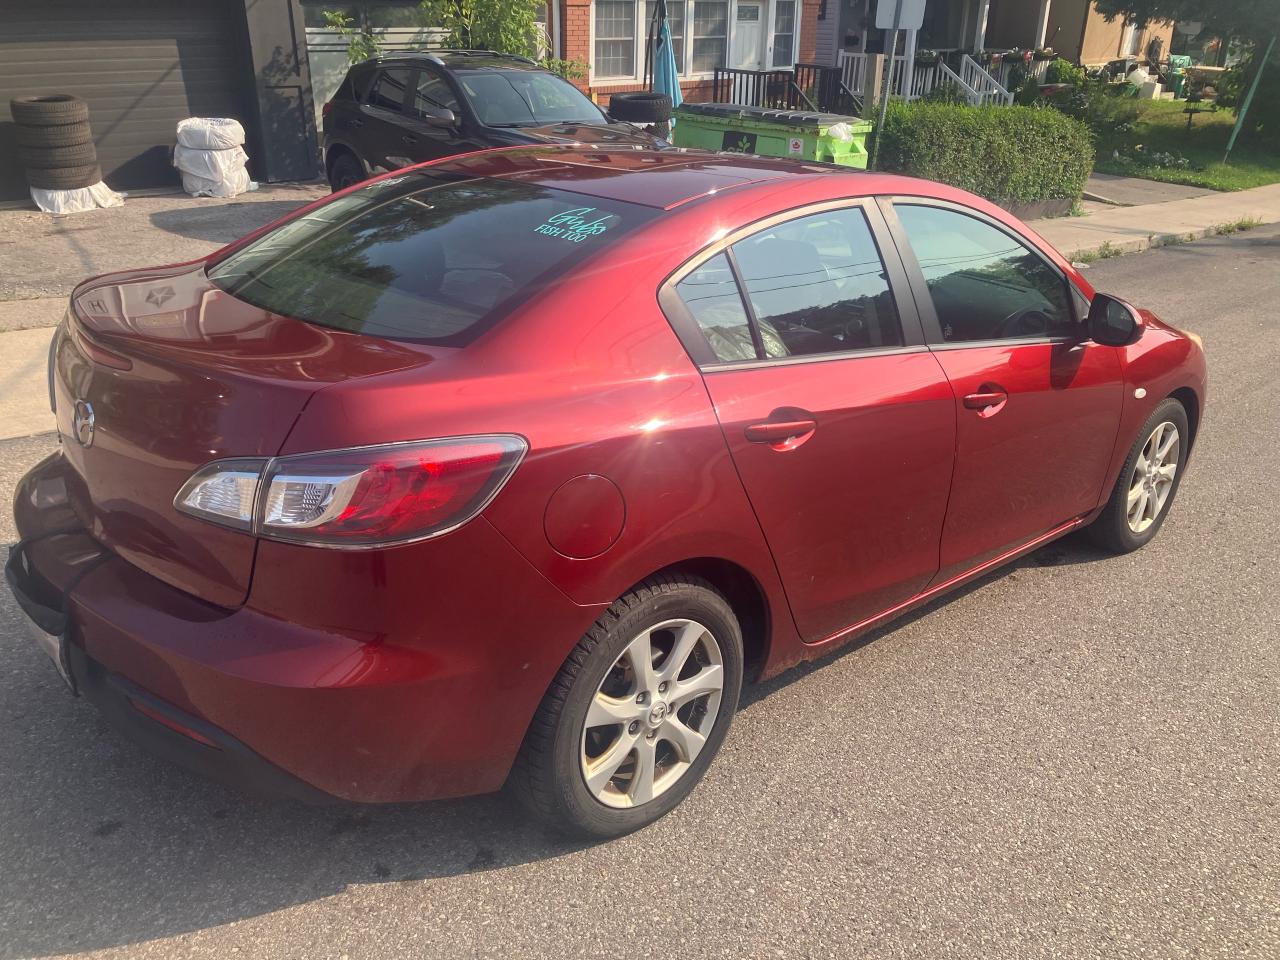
431,258
433,93
817,285
711,294
388,91
517,97
985,284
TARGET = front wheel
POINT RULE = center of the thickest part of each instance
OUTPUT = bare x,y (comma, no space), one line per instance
1147,483
637,712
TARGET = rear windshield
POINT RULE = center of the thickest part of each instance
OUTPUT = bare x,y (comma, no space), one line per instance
433,258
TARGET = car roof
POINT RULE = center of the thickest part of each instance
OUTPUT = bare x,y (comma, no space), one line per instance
458,59
665,178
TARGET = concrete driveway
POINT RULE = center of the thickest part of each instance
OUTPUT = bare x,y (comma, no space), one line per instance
1075,757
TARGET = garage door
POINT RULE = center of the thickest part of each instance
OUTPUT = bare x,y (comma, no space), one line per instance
142,65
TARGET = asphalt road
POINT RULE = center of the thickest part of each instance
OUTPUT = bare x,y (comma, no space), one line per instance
1076,757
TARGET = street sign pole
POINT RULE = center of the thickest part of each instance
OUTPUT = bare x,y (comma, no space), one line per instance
888,84
1248,100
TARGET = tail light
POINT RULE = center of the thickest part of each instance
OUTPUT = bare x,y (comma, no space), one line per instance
324,111
358,498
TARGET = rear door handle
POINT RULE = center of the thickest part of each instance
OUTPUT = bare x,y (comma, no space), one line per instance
985,398
408,139
781,431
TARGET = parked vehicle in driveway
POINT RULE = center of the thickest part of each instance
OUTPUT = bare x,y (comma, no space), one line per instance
407,108
513,468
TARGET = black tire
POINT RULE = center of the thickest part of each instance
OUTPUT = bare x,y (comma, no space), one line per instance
49,111
640,107
1111,529
345,171
63,135
65,178
548,778
52,158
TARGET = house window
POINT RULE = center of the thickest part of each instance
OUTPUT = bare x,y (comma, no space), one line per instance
784,32
616,38
710,35
701,35
675,23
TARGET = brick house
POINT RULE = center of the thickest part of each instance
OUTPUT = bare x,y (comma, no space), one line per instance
609,36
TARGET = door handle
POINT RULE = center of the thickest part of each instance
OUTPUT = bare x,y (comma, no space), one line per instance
357,122
790,433
408,139
985,398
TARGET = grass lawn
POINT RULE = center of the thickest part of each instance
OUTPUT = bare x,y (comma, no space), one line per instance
1161,127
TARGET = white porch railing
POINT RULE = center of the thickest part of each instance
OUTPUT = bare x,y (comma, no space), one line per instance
853,69
947,75
986,87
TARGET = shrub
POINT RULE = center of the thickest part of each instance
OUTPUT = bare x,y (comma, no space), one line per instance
1264,113
1006,154
1029,93
1064,71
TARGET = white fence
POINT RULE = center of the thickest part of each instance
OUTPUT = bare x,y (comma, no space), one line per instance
978,84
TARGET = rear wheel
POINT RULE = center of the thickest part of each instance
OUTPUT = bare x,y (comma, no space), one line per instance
345,171
1147,483
637,713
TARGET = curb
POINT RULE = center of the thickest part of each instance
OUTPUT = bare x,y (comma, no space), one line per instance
1107,249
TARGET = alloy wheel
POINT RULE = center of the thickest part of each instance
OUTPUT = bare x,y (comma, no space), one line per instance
1152,479
651,714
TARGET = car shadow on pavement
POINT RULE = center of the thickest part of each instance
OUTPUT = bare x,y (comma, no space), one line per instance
1072,549
106,846
222,222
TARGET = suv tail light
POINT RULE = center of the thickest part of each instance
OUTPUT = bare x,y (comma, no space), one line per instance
363,497
324,111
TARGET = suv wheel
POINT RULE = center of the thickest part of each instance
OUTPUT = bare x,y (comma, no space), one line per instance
345,171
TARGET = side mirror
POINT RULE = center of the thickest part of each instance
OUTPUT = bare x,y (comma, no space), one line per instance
438,116
1112,322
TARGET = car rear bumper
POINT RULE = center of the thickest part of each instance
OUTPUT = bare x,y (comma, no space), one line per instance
279,707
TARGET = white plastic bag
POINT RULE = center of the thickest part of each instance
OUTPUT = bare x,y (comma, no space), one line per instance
210,133
233,184
76,201
209,164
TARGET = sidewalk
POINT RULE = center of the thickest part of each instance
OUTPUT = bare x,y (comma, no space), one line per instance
1117,230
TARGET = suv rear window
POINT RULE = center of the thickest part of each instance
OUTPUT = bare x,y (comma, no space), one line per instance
430,258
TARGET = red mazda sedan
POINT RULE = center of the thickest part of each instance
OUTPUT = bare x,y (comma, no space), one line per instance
509,469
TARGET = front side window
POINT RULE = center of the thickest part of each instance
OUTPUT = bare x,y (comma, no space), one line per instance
817,284
615,32
985,284
433,94
388,90
434,258
517,98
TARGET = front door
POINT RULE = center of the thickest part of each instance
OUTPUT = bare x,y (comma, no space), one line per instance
424,135
748,35
838,419
1037,406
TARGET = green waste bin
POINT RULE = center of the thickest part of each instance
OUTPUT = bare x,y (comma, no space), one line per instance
826,137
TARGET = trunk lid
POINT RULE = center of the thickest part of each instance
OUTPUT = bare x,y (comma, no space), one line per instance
176,373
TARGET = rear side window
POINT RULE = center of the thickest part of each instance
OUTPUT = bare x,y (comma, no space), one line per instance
430,258
985,285
817,284
812,285
388,91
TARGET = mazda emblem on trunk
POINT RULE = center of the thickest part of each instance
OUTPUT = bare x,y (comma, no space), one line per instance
82,422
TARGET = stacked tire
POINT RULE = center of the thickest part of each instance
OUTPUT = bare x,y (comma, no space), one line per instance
55,142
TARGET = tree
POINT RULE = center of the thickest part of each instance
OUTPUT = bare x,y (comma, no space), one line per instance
1256,20
505,26
361,44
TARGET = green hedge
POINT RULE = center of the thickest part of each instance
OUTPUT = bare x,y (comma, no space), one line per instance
1006,154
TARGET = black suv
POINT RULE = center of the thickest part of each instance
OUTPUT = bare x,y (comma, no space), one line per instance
406,108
